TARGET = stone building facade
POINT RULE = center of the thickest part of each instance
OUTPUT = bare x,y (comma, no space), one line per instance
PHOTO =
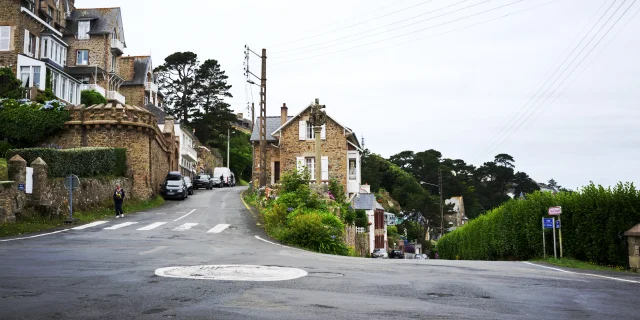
291,146
208,159
139,87
151,153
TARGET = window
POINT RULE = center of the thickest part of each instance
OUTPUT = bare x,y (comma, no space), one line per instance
24,76
29,43
54,82
36,77
55,51
29,4
146,100
70,97
83,57
45,48
5,38
352,169
114,62
276,171
84,80
83,29
63,92
311,135
310,163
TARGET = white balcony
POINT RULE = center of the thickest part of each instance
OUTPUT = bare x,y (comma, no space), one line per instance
114,95
150,86
189,153
95,87
117,46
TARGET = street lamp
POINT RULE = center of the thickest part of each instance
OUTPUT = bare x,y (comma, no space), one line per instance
439,185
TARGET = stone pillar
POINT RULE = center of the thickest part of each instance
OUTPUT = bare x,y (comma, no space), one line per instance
40,180
633,240
17,168
8,203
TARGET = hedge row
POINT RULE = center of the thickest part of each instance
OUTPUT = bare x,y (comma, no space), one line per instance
83,162
593,222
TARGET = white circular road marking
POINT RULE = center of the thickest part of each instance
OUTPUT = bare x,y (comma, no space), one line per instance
232,272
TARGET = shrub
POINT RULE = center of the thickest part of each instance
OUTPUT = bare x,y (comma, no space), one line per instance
10,86
291,181
27,124
83,162
4,146
319,232
337,191
361,220
91,97
348,215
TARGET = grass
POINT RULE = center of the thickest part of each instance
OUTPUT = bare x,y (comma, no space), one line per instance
31,222
572,263
243,183
4,175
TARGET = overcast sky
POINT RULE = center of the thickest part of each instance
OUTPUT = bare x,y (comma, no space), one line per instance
418,75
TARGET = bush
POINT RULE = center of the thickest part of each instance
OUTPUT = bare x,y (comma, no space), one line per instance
26,124
593,222
91,97
4,146
337,191
361,220
10,86
83,162
319,232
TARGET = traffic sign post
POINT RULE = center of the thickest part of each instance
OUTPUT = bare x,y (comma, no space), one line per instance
544,246
559,235
556,211
555,253
71,182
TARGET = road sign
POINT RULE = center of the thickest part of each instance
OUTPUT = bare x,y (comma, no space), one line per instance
555,211
71,182
548,223
21,186
557,224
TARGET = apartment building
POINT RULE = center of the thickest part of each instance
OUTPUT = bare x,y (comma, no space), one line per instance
139,87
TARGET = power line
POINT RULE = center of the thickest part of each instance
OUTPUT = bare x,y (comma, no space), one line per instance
524,103
576,67
366,31
402,35
353,25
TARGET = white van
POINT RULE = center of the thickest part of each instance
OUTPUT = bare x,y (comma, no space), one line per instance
225,173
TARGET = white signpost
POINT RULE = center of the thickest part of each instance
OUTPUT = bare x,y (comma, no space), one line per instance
556,211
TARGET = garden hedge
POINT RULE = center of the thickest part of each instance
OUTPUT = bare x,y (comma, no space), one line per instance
83,162
593,222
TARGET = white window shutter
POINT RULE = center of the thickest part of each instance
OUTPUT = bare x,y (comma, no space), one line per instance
37,53
26,41
5,38
323,133
325,168
303,130
300,164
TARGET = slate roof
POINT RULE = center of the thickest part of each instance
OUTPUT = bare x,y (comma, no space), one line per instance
365,201
140,67
272,124
159,113
103,20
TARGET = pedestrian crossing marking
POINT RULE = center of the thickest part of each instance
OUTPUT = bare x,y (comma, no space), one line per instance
218,228
151,226
185,226
89,225
118,226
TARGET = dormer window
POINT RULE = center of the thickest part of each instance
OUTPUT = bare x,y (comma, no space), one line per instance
83,29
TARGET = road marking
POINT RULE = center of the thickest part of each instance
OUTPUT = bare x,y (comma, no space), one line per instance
580,273
89,225
185,226
156,249
40,235
219,228
118,226
161,213
232,272
190,212
151,226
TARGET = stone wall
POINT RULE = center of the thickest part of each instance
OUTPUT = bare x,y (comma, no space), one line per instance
150,152
126,71
9,203
133,94
273,155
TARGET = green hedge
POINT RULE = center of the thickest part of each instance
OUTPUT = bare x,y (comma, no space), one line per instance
593,222
83,162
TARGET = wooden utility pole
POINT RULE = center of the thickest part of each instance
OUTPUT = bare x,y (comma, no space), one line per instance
441,204
263,111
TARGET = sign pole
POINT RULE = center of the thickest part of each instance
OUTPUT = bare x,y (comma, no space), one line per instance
555,253
71,198
560,236
544,246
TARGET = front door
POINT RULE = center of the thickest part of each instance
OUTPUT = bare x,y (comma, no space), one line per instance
276,171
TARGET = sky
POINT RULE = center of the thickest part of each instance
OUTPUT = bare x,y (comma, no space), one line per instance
553,83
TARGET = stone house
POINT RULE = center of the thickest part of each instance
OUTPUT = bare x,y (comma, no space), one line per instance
96,41
457,217
291,146
242,124
377,230
32,44
139,87
208,159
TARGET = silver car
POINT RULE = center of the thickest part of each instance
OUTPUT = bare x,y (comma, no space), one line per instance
380,253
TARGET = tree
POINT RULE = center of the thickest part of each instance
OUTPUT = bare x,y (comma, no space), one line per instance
523,183
240,155
10,86
91,97
504,160
177,81
211,85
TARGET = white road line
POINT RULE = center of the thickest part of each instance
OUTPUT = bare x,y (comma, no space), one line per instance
185,226
118,226
190,212
218,228
151,226
161,213
89,225
156,249
40,235
580,273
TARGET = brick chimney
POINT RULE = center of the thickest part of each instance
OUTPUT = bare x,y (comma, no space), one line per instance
283,114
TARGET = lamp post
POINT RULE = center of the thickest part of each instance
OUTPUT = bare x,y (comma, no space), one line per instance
439,185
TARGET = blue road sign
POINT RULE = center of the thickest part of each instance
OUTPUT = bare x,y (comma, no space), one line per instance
557,224
21,186
548,223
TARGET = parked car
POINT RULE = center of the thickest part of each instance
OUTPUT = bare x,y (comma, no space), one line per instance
174,186
397,254
216,182
420,256
187,180
224,174
379,253
203,181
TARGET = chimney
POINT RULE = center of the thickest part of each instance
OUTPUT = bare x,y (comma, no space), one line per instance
283,114
365,188
240,115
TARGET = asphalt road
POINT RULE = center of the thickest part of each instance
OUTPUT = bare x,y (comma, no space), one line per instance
98,273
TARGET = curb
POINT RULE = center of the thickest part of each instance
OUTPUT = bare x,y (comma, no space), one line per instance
251,209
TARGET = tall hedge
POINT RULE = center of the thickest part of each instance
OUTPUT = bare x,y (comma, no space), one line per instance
593,222
83,162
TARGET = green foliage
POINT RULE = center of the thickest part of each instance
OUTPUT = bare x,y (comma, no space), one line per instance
28,124
317,232
83,162
4,146
10,86
240,155
337,190
361,219
91,97
176,80
291,181
349,215
593,222
4,175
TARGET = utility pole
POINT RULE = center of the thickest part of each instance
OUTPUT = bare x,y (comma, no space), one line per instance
263,110
228,142
441,204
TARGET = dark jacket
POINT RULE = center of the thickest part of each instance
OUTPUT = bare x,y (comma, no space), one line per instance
118,197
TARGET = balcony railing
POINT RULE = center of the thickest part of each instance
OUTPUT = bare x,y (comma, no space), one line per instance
95,87
117,45
189,153
150,86
114,95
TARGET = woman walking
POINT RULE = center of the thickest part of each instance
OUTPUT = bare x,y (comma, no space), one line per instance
118,197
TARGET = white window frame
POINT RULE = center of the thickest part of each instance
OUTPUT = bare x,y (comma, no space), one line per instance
310,166
86,62
311,134
5,38
83,29
25,83
33,76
